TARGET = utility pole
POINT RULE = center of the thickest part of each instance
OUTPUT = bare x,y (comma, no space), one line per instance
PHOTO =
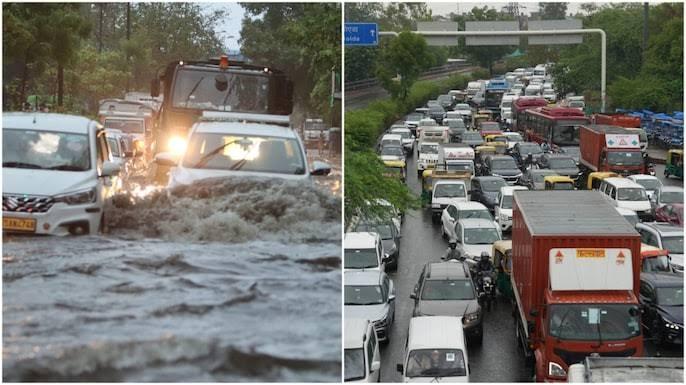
128,37
645,31
102,11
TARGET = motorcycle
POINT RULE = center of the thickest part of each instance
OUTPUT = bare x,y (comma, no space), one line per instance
487,289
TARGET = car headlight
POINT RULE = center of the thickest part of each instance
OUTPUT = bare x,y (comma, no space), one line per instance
177,145
504,217
380,323
671,325
494,174
393,249
556,370
470,317
79,197
436,205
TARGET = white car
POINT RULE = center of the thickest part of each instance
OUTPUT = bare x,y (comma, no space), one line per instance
231,147
513,138
623,192
444,193
57,174
651,183
458,211
406,137
475,236
464,110
503,207
361,351
363,251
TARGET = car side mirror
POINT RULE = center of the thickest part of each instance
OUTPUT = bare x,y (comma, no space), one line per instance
166,159
391,298
376,365
110,169
320,168
399,368
413,295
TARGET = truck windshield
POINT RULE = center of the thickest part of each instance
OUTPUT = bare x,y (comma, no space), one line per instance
493,98
447,290
435,363
566,133
125,125
632,194
48,150
449,190
253,153
428,149
670,296
363,295
198,89
354,364
618,158
360,258
591,322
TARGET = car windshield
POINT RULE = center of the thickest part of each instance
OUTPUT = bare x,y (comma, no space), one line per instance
503,164
392,150
450,190
435,363
532,149
515,137
436,109
562,163
354,364
456,123
360,258
632,158
447,290
114,146
49,150
576,104
632,194
478,213
384,230
463,107
675,244
470,135
245,153
670,296
125,125
656,264
672,197
490,126
507,202
649,184
478,236
631,218
594,322
428,149
493,185
363,295
403,134
198,89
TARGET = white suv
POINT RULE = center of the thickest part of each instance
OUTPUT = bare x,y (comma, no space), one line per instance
57,174
363,251
361,351
503,208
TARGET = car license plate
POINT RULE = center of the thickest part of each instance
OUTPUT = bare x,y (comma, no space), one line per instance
19,224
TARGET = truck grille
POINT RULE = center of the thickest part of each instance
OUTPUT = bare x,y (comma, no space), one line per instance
26,204
571,358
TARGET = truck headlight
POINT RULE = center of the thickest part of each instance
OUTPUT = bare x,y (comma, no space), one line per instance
556,370
78,197
177,145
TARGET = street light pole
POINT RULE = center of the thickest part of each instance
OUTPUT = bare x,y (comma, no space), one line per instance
603,44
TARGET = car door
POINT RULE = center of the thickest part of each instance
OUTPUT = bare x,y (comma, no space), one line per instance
498,204
476,191
389,294
372,350
458,237
417,290
448,218
647,301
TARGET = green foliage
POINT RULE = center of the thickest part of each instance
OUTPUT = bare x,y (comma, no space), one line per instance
552,11
405,57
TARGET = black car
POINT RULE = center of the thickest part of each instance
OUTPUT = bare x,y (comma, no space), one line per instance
503,166
437,113
562,164
472,138
485,189
389,238
446,289
521,150
662,306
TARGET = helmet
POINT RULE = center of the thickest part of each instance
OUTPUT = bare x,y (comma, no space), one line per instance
485,256
452,243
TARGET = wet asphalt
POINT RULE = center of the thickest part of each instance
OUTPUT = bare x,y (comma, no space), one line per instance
498,358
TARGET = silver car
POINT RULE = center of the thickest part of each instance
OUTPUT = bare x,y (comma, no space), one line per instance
370,295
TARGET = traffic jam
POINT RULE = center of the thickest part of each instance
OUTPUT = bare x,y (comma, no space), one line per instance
545,236
146,241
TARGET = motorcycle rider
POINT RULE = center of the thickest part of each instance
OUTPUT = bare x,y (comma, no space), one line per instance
484,265
452,252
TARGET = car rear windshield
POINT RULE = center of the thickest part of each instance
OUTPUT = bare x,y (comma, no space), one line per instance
533,149
363,295
492,185
354,364
435,363
480,213
392,150
360,258
670,296
447,290
503,164
469,135
485,236
125,125
649,184
46,150
562,163
383,230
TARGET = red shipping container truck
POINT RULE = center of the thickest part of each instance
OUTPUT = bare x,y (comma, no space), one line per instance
575,276
611,148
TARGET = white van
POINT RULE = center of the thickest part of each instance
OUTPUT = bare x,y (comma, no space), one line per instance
363,251
438,134
361,350
623,192
435,349
472,89
540,70
533,90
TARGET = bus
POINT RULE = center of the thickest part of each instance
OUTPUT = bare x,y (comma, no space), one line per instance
556,126
522,104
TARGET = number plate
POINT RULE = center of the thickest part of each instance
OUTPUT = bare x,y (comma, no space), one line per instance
590,253
19,224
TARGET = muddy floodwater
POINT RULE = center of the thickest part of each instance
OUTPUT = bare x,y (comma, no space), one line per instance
229,280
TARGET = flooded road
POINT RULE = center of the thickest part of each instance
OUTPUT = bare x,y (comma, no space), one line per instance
223,281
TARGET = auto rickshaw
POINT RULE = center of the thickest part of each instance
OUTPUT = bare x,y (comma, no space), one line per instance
502,260
500,147
428,180
674,165
655,260
594,178
558,182
395,169
495,138
498,141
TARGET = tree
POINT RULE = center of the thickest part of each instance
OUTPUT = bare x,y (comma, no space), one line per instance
405,56
552,11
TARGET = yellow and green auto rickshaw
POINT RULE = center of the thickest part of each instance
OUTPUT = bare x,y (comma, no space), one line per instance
594,178
558,182
674,165
395,169
502,260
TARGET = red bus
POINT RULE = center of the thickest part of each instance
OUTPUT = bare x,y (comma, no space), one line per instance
557,126
522,104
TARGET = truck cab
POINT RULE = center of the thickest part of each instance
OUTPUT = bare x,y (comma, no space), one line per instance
611,148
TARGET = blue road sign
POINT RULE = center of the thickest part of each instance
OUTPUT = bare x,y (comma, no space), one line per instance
361,34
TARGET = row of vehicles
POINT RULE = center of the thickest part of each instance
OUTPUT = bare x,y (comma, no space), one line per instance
213,119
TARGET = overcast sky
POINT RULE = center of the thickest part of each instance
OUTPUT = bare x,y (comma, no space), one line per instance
230,25
460,6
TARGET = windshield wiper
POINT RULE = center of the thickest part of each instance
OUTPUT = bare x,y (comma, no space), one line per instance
66,167
195,87
21,165
212,153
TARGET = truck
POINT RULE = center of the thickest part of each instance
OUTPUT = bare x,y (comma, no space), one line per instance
623,120
190,88
494,94
575,278
610,148
631,369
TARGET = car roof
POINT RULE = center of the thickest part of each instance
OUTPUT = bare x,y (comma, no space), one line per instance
360,278
663,279
243,128
663,228
643,176
487,178
396,129
671,189
391,136
473,223
47,122
509,190
557,156
355,330
447,270
360,240
622,182
471,205
435,332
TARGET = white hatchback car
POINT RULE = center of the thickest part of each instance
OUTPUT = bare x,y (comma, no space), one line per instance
57,174
458,211
475,236
229,145
503,207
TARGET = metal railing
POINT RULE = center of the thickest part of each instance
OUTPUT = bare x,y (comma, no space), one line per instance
367,83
